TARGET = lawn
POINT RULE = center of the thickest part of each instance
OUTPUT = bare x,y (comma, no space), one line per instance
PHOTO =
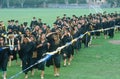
100,61
47,15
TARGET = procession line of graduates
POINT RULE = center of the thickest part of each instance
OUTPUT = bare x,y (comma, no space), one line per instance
32,43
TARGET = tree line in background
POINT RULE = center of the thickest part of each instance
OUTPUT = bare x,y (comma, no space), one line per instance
44,3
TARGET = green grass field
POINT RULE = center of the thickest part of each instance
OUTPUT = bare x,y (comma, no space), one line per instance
47,15
100,61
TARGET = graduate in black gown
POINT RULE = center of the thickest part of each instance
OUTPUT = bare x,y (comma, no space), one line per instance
33,23
4,57
26,50
11,44
77,43
15,50
55,60
33,59
16,26
42,48
86,38
111,24
97,26
57,57
2,30
67,51
105,25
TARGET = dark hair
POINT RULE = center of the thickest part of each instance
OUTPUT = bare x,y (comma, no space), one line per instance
16,21
12,20
25,23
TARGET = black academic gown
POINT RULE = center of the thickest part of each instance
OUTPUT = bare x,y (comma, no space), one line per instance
40,54
111,31
56,58
26,53
86,37
77,43
4,57
104,26
69,50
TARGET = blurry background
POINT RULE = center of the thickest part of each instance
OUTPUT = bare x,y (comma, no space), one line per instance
58,3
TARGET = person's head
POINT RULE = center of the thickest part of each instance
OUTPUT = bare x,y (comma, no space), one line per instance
43,36
79,25
75,28
34,18
32,38
25,24
1,26
39,20
58,30
12,22
55,37
25,40
58,17
16,22
9,22
21,25
40,31
44,26
37,28
67,31
48,29
1,41
55,25
27,31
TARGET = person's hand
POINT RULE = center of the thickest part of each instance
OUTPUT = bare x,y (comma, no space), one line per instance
64,55
28,39
18,42
11,56
48,44
15,49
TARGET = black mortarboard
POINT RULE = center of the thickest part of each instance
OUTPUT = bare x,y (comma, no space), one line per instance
8,20
25,23
12,20
64,14
16,21
44,24
48,26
